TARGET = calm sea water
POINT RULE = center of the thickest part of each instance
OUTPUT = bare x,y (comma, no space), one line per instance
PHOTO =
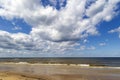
97,61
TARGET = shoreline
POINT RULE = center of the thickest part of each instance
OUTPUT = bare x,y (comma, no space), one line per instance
61,64
27,71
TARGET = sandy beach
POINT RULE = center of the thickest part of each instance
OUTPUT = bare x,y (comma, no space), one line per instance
12,71
12,76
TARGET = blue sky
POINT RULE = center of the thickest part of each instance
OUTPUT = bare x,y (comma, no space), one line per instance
60,28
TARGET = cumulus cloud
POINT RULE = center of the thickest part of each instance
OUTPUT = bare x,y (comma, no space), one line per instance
117,30
55,30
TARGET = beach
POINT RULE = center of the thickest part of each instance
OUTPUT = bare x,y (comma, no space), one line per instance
13,76
26,71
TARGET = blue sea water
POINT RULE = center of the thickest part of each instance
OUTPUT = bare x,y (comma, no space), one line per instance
92,61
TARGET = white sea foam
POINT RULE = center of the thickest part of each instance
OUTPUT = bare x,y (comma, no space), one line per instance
84,65
58,64
22,63
114,67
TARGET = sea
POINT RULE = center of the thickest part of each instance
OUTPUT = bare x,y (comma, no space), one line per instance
91,61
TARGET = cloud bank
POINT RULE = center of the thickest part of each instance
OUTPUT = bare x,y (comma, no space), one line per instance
54,31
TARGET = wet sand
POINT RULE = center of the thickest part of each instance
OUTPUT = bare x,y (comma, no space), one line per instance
12,71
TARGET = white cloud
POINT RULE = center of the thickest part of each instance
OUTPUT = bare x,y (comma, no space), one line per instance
95,8
102,44
117,30
55,30
17,28
83,47
85,41
91,48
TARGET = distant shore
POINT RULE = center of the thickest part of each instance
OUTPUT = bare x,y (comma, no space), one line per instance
25,71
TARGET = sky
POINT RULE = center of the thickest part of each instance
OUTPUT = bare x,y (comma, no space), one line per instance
59,28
